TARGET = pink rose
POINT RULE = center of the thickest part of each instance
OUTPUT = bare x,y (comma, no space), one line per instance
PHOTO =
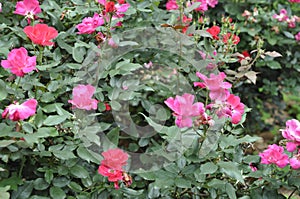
28,8
16,112
19,63
274,155
114,159
82,97
292,130
89,24
184,109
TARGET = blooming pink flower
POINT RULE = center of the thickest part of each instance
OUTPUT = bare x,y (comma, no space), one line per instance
16,112
19,62
114,158
89,24
184,109
111,166
41,34
203,6
282,15
227,38
294,1
113,175
218,89
28,8
236,108
148,65
291,146
82,97
297,36
172,5
292,130
0,7
295,162
274,155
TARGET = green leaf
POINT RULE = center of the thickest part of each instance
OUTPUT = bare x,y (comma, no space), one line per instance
232,170
57,193
79,171
230,190
4,194
48,176
54,120
40,184
75,186
3,91
208,168
23,191
78,53
113,135
64,155
60,181
274,65
183,183
86,155
5,143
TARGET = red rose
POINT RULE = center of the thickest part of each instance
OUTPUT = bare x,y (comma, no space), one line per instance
110,6
41,34
214,31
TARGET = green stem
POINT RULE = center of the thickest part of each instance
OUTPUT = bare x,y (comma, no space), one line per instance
21,168
40,56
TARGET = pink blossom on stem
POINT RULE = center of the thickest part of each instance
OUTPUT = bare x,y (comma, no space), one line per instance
297,36
203,6
82,97
184,109
295,162
172,5
28,8
215,84
16,112
18,62
89,24
274,155
292,130
235,108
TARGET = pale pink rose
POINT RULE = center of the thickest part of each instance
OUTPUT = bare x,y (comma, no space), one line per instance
82,97
0,7
215,84
148,65
28,8
114,158
274,155
18,62
16,112
184,109
90,24
292,130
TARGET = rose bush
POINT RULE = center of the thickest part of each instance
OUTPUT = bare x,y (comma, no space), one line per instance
145,99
